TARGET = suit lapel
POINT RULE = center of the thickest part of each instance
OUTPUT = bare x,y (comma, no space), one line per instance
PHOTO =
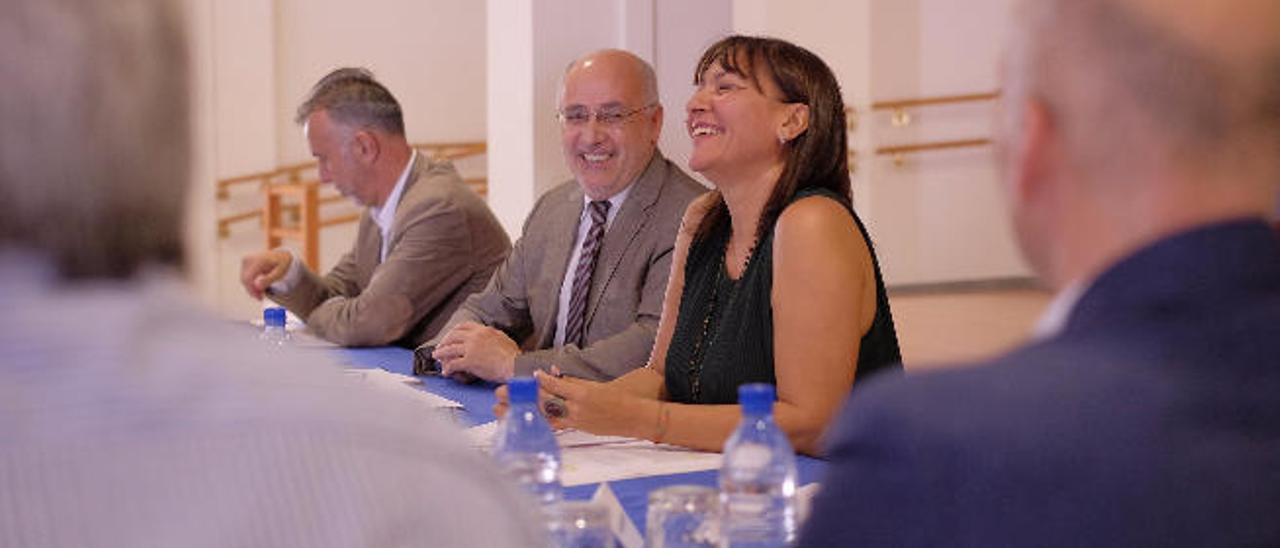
625,230
368,247
420,166
559,247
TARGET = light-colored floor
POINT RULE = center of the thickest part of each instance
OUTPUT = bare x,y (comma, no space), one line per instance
938,329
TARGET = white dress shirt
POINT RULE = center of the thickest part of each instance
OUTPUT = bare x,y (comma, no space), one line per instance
1055,316
584,226
383,217
128,418
386,215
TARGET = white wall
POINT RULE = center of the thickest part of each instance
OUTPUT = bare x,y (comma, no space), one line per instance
257,59
201,265
510,69
563,30
430,54
940,216
960,51
682,31
233,101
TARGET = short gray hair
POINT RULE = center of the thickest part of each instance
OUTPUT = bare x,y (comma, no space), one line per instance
95,138
1115,79
353,97
648,82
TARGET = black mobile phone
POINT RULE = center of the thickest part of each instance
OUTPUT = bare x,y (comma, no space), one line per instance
423,363
426,366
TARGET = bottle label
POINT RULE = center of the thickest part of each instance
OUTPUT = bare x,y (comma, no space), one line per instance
749,457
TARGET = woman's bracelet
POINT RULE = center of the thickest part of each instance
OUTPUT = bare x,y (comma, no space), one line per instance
664,417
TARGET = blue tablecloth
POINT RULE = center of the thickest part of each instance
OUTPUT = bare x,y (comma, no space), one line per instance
478,399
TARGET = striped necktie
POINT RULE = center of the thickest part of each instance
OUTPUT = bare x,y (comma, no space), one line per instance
573,326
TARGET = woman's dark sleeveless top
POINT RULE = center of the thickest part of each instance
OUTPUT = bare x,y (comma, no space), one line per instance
724,336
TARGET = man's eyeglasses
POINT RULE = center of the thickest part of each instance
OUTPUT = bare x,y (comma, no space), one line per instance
608,116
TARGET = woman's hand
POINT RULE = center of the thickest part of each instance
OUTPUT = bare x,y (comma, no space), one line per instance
500,407
503,402
599,408
545,399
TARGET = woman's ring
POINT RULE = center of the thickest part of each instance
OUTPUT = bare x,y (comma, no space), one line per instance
554,407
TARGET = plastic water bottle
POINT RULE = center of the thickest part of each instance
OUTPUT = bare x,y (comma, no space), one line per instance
273,331
525,447
758,477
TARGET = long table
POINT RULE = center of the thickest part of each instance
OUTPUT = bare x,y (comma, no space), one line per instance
478,399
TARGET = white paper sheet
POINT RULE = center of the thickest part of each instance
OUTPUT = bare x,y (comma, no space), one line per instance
401,385
624,530
481,437
632,459
588,458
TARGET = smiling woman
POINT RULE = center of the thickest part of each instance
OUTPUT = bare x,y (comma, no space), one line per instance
756,265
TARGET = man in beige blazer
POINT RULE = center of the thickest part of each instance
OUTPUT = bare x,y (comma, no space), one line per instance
525,319
424,244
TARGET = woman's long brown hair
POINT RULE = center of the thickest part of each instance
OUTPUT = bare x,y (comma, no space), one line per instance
818,157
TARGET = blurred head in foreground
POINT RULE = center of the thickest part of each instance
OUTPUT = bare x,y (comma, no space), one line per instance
1140,151
94,147
1126,121
136,420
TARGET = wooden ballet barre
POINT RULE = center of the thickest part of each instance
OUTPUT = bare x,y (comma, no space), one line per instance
937,145
453,151
224,223
899,152
479,185
295,180
224,185
340,219
899,104
292,172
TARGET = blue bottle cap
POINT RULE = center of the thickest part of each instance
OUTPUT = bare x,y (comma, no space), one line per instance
273,316
756,398
522,390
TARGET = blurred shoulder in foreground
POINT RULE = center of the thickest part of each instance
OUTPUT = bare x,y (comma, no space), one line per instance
127,416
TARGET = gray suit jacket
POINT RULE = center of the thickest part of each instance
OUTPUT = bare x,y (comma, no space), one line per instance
627,288
445,243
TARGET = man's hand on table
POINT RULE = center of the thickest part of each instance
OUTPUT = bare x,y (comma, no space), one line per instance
478,350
